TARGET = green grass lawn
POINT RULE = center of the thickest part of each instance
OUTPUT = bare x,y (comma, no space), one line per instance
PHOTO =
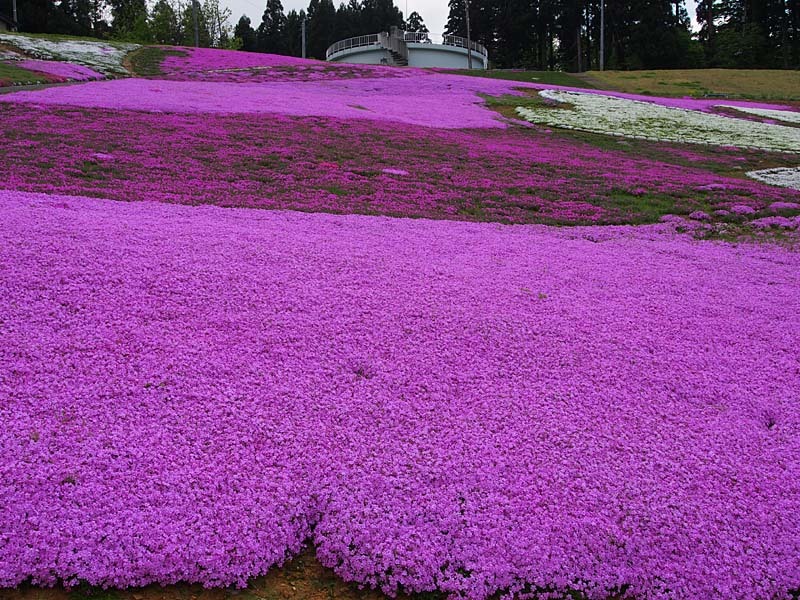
13,75
734,83
549,77
739,83
146,61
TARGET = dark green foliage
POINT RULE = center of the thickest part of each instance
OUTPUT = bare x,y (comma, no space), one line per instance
128,17
321,27
529,34
271,34
639,34
750,33
293,33
415,23
69,17
164,25
246,34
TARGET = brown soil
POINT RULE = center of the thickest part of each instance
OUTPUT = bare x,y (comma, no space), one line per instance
301,579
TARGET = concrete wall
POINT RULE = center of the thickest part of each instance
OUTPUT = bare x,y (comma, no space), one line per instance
365,55
447,57
419,55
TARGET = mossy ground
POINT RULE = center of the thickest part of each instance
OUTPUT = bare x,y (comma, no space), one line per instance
762,84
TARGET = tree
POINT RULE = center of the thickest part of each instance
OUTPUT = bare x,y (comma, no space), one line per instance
246,34
379,15
270,34
658,39
293,33
321,27
187,27
164,25
217,23
415,23
456,18
128,18
349,20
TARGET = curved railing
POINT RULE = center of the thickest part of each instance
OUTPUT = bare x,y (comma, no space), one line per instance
460,42
412,37
353,42
416,37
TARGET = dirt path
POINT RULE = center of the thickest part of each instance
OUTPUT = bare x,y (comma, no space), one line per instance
300,579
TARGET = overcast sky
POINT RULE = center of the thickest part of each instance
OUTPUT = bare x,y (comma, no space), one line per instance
434,12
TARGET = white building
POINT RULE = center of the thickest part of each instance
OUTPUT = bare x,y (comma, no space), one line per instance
406,48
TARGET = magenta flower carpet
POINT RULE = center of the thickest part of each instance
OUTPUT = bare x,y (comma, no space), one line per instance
60,71
255,305
346,166
189,394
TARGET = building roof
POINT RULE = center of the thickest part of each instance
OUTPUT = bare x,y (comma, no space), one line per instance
8,20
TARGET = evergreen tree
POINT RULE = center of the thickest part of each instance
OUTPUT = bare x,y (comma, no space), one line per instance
348,20
128,16
456,18
321,27
164,25
187,27
293,33
379,15
415,23
658,39
270,34
246,34
76,17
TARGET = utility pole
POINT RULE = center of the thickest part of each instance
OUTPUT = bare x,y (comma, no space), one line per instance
469,41
196,24
602,34
14,13
303,35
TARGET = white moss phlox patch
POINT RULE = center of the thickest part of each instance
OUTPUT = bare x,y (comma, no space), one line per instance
785,177
787,116
103,57
644,120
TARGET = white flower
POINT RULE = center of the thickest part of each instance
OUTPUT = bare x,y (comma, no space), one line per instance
786,177
787,116
104,57
631,118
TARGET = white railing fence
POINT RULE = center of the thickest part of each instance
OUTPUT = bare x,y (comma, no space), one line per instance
409,37
354,42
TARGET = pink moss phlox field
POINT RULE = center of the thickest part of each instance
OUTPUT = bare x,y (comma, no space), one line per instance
183,59
252,83
63,71
415,99
191,393
354,166
203,64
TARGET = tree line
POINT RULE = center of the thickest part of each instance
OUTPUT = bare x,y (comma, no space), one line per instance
280,33
639,34
168,22
533,34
